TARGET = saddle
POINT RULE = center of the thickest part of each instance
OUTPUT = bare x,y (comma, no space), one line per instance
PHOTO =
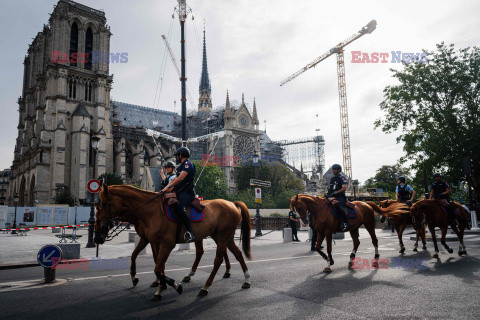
335,202
171,200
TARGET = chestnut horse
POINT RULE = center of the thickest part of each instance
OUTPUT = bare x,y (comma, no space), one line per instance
144,209
326,224
399,215
430,211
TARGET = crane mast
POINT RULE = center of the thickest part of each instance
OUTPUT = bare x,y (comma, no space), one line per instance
342,88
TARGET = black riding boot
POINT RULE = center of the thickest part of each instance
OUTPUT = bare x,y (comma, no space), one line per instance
452,218
343,214
189,236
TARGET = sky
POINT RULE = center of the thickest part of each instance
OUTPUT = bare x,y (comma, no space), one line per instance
252,45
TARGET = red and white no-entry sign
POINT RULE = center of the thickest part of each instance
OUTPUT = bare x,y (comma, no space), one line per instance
93,186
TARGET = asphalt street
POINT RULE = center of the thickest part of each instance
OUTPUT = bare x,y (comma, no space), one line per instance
287,283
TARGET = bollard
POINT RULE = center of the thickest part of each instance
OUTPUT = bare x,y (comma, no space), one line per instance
184,246
474,219
49,275
287,235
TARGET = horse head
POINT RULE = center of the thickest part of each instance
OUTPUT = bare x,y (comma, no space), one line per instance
104,217
298,206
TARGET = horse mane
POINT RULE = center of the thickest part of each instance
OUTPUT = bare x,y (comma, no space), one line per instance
132,188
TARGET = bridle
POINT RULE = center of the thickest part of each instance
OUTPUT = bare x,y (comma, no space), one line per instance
105,225
297,202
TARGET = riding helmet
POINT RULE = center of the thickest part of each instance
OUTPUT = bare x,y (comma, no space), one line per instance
169,164
401,179
183,152
337,167
436,174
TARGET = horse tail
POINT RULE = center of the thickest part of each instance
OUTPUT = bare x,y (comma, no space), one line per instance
376,208
246,227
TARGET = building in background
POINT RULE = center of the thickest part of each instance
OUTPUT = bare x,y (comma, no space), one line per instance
4,182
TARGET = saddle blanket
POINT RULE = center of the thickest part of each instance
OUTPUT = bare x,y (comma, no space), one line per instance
193,214
455,210
351,213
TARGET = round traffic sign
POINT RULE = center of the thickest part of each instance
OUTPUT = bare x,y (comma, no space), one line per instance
93,186
49,256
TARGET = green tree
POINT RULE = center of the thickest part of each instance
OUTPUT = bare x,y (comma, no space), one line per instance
64,196
211,184
386,178
284,184
435,107
111,179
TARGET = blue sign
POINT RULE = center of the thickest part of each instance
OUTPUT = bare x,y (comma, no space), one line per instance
49,256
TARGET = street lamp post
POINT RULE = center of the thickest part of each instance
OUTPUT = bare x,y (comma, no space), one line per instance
15,199
258,218
91,220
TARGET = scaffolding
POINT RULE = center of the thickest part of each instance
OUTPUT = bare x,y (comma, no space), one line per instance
306,155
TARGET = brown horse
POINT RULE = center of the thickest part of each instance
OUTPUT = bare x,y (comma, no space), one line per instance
326,224
431,212
399,215
144,209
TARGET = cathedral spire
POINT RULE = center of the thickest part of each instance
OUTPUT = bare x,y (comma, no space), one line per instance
255,116
205,100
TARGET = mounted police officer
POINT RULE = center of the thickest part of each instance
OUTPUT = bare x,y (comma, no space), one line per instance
167,173
441,190
404,192
338,186
183,185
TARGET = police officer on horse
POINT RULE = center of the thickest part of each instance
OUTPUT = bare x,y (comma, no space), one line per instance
183,185
338,186
404,192
169,175
441,191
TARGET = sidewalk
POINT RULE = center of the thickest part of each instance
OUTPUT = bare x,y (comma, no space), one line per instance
22,250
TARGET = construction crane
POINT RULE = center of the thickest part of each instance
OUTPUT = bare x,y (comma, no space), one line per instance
342,89
172,57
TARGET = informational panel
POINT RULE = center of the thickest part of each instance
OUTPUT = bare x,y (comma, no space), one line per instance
3,216
44,216
60,215
28,215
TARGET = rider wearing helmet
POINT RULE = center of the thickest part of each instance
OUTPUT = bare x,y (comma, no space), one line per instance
183,185
441,190
404,192
169,169
338,186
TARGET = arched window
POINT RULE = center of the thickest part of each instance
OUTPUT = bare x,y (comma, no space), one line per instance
73,42
88,49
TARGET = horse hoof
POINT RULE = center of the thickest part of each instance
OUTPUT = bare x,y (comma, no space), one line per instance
401,250
375,265
226,275
154,284
186,279
350,264
164,287
414,249
327,270
424,247
377,256
460,253
246,285
435,256
179,289
203,293
135,281
332,262
156,297
450,250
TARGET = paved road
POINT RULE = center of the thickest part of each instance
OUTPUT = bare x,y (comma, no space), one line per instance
287,282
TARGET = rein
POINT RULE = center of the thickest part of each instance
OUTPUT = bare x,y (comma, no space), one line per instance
111,234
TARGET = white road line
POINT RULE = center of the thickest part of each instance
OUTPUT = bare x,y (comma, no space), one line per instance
201,267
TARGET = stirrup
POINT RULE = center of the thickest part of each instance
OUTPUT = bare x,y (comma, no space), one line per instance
189,237
345,226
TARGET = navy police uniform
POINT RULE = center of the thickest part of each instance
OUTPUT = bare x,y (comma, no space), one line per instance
336,183
185,190
438,188
293,225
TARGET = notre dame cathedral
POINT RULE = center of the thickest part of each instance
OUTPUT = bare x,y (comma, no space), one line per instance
66,102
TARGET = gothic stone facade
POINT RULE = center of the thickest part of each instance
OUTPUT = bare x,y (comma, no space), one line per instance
63,104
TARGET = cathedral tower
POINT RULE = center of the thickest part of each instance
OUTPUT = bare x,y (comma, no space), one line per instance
205,91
